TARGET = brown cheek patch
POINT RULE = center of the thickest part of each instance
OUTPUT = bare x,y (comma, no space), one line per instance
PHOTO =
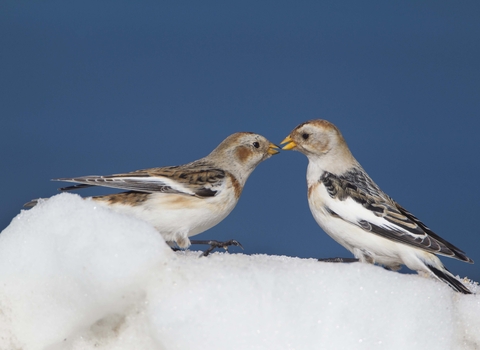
324,147
243,153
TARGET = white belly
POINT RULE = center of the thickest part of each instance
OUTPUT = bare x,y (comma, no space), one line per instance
178,217
365,245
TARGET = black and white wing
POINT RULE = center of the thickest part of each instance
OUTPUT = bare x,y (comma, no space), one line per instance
355,198
193,181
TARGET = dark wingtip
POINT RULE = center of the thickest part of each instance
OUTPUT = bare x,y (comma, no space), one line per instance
450,280
460,255
31,204
74,187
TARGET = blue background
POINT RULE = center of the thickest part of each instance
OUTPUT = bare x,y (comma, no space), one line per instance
102,87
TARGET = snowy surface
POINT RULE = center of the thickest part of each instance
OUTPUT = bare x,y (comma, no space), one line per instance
77,276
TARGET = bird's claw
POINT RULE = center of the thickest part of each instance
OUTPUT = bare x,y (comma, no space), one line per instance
339,260
216,244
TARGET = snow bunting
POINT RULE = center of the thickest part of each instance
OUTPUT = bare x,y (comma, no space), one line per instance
183,201
356,213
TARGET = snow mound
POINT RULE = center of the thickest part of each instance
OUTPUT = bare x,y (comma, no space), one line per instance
75,275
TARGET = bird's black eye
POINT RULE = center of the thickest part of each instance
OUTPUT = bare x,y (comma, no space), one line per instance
305,135
256,144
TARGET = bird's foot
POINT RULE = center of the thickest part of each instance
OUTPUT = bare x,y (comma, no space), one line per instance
217,244
339,260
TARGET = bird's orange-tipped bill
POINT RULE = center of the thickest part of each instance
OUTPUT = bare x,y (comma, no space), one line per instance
273,149
290,144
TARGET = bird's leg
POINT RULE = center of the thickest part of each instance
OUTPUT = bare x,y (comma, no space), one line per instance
216,244
339,260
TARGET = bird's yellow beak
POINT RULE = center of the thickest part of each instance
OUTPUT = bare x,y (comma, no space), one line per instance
290,144
273,149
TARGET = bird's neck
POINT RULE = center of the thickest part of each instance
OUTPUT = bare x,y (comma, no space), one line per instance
335,164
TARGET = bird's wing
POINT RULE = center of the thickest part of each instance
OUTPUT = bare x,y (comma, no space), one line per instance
193,181
355,198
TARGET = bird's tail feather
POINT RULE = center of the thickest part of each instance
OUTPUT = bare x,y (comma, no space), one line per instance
448,278
31,204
